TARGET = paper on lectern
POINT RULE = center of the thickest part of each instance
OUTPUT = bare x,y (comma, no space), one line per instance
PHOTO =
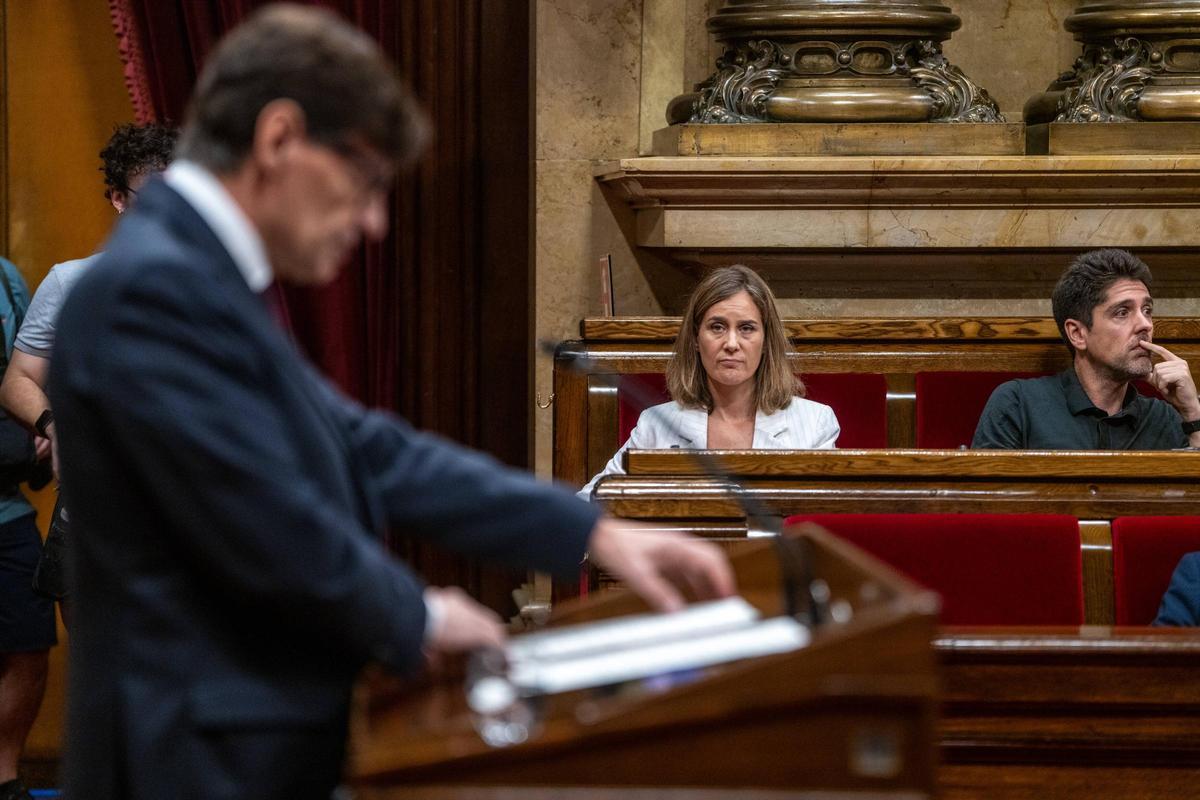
644,646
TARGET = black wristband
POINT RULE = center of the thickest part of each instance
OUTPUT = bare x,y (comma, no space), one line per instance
46,419
1191,427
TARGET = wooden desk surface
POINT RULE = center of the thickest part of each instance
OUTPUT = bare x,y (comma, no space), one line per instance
1069,712
1090,485
1111,465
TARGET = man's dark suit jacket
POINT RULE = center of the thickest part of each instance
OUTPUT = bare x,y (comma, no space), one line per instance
1181,603
225,500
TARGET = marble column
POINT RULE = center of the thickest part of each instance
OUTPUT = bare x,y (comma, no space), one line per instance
834,61
1140,62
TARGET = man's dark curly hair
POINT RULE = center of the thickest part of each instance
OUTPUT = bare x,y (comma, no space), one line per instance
134,150
1086,282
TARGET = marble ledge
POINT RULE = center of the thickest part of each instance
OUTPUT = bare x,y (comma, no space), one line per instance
1008,182
615,168
767,229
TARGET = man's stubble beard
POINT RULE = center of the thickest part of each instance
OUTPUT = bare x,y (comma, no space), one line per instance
1133,369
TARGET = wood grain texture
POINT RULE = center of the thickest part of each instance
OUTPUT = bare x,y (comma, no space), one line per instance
1108,466
1069,712
426,792
664,499
1021,329
869,676
1093,487
1095,541
895,348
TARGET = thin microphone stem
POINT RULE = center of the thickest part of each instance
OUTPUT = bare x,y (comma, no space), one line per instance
794,554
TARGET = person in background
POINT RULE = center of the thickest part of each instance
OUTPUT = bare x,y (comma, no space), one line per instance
1105,314
227,500
133,154
1181,603
731,385
26,618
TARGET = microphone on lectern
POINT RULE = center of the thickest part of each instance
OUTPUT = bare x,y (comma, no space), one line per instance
506,689
805,598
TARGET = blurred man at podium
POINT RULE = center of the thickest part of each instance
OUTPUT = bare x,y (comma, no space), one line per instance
228,578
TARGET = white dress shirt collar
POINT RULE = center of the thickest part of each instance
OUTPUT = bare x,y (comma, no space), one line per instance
203,192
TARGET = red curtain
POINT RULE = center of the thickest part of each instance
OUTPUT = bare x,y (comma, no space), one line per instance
434,318
381,328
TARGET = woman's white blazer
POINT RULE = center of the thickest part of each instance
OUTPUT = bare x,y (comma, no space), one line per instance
803,425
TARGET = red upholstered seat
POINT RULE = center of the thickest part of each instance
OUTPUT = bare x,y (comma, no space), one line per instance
859,401
990,569
949,404
1146,551
651,384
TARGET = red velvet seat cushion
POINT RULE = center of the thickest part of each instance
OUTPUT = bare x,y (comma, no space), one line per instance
949,405
858,400
651,384
990,569
1146,551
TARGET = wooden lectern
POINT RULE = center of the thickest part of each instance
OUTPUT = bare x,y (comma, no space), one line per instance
852,714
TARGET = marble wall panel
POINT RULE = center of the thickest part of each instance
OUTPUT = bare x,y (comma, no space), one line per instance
575,226
1013,48
920,227
664,50
588,77
799,307
701,56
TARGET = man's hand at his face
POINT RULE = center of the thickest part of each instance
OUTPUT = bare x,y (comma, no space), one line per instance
655,563
1172,378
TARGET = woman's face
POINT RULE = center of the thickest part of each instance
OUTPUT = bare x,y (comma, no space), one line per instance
730,340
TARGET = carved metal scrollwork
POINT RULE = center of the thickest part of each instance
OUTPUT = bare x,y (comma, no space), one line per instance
739,90
1109,91
956,98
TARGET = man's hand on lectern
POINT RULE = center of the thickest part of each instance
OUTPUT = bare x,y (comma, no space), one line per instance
654,563
458,624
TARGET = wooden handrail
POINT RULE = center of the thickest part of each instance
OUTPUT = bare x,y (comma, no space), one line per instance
914,465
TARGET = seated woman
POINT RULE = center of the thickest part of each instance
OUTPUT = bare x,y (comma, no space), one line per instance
729,379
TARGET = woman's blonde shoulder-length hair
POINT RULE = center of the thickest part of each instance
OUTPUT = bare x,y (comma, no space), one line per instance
774,383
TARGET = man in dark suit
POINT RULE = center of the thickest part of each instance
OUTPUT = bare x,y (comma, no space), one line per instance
224,497
1181,602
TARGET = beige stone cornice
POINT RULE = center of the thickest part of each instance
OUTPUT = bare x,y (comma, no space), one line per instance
929,202
866,181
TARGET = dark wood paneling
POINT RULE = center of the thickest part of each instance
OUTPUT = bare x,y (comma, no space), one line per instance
1107,466
993,329
463,230
1112,712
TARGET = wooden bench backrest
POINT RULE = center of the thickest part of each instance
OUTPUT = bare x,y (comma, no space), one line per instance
587,371
669,489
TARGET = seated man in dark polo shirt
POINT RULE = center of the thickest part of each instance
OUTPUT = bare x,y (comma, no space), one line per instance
1104,312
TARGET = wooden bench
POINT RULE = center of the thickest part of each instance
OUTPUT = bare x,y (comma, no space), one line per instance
587,371
669,489
1069,713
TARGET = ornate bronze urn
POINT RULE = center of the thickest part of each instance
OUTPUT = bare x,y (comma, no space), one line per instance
1140,62
834,61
